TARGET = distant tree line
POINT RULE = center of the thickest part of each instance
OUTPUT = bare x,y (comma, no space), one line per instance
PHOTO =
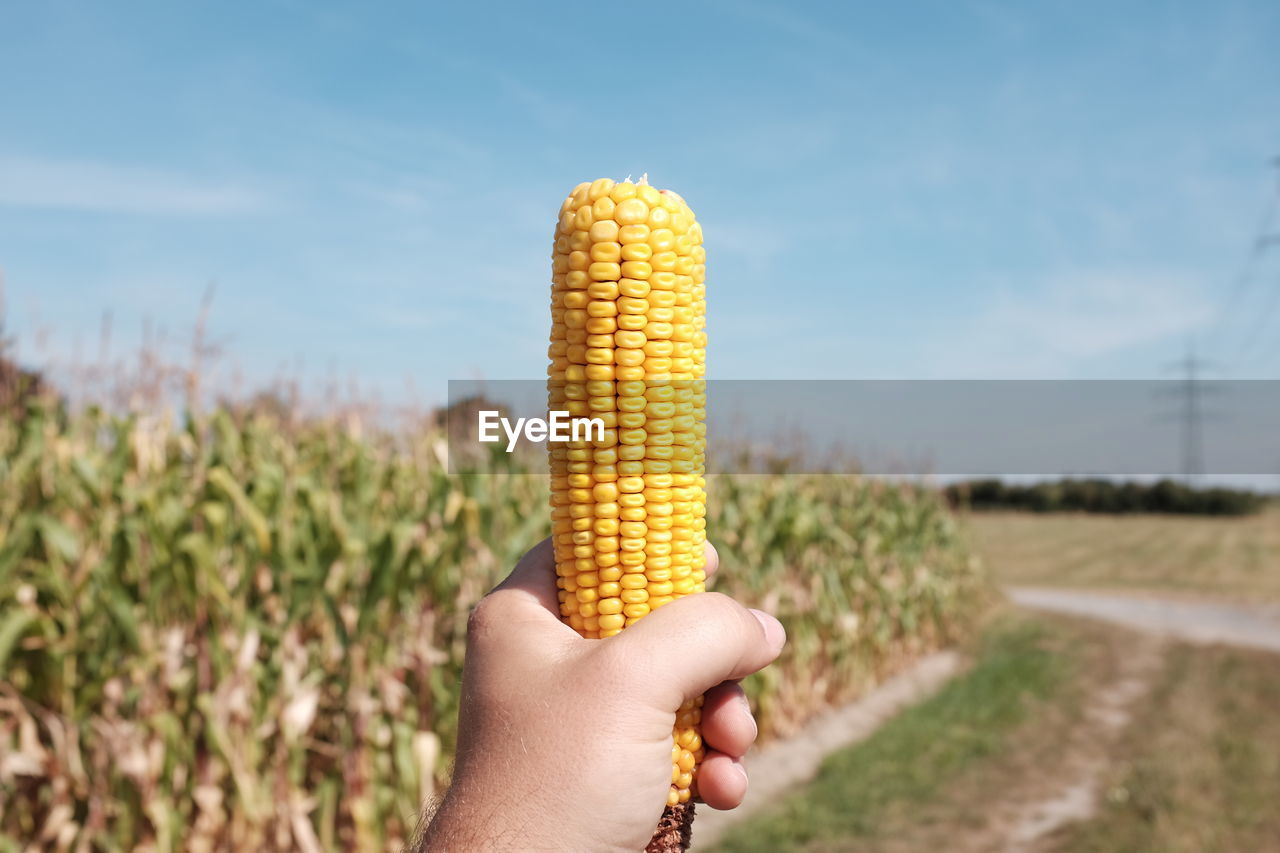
1104,496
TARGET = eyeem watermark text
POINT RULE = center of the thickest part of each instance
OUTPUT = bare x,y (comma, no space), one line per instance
557,426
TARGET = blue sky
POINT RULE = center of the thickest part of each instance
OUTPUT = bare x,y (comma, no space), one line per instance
888,190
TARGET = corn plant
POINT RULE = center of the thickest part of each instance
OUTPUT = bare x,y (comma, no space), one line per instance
221,632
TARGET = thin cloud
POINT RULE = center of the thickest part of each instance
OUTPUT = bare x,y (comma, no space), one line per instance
757,242
398,317
396,197
1050,328
781,18
549,111
1096,313
82,185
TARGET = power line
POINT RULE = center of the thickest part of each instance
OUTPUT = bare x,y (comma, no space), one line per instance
1262,239
1191,413
1260,323
1266,237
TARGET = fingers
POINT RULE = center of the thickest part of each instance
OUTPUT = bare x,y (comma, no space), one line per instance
728,729
713,559
727,723
692,644
722,781
535,575
534,578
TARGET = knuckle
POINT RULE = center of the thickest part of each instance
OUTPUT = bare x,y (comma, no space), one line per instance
721,603
727,610
484,618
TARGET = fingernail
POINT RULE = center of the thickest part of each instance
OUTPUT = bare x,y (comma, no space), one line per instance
742,769
774,633
755,729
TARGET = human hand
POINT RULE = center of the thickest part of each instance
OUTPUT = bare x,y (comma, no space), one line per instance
564,743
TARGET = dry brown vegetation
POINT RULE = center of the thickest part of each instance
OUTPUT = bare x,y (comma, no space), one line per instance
1225,557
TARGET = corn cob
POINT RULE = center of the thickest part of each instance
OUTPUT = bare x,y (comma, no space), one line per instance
628,346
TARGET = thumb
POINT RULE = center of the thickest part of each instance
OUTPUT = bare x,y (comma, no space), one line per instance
695,642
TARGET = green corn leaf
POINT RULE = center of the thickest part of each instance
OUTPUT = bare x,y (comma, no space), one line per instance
12,626
58,538
252,516
122,609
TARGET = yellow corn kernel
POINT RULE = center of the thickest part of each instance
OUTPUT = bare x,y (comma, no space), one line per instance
633,211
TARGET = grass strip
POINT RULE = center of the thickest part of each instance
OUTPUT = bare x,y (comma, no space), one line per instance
1017,666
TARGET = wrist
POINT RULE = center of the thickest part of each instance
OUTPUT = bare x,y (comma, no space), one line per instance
491,819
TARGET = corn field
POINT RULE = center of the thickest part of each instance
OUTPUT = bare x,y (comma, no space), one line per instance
224,633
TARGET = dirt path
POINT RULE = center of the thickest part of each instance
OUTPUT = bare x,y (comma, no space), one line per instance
781,766
1051,781
1051,770
1110,709
1074,785
1251,626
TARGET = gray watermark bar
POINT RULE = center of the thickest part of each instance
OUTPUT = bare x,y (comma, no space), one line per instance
952,428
